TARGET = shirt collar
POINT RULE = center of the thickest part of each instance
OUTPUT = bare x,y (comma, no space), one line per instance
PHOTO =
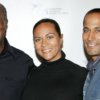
92,64
8,48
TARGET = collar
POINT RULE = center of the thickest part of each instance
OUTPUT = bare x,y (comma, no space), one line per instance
92,64
8,48
54,65
57,61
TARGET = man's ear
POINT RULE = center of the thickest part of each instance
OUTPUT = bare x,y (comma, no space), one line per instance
61,41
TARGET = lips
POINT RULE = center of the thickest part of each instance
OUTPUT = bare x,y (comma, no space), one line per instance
91,45
46,50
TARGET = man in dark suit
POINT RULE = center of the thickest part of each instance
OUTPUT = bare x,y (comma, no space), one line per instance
14,64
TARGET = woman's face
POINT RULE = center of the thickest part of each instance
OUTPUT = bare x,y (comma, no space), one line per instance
47,42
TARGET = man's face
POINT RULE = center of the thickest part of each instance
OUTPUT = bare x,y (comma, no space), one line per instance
47,42
2,30
91,35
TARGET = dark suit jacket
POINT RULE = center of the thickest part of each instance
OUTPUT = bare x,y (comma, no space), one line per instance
14,70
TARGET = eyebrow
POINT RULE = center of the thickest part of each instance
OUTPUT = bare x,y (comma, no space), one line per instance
37,37
85,27
45,35
97,27
49,34
88,28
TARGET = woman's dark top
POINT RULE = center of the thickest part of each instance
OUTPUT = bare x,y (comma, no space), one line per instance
58,80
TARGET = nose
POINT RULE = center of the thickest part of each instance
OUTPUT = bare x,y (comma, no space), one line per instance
44,42
91,35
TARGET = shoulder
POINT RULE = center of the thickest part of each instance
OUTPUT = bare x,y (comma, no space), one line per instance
76,68
20,54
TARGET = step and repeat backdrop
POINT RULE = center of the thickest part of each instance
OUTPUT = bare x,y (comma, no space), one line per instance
23,14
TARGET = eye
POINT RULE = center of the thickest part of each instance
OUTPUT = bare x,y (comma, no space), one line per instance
85,30
50,37
97,30
37,39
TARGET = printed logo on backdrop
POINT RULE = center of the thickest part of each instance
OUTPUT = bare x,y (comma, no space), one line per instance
50,11
56,11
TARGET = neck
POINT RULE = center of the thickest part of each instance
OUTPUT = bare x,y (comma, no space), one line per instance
95,58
